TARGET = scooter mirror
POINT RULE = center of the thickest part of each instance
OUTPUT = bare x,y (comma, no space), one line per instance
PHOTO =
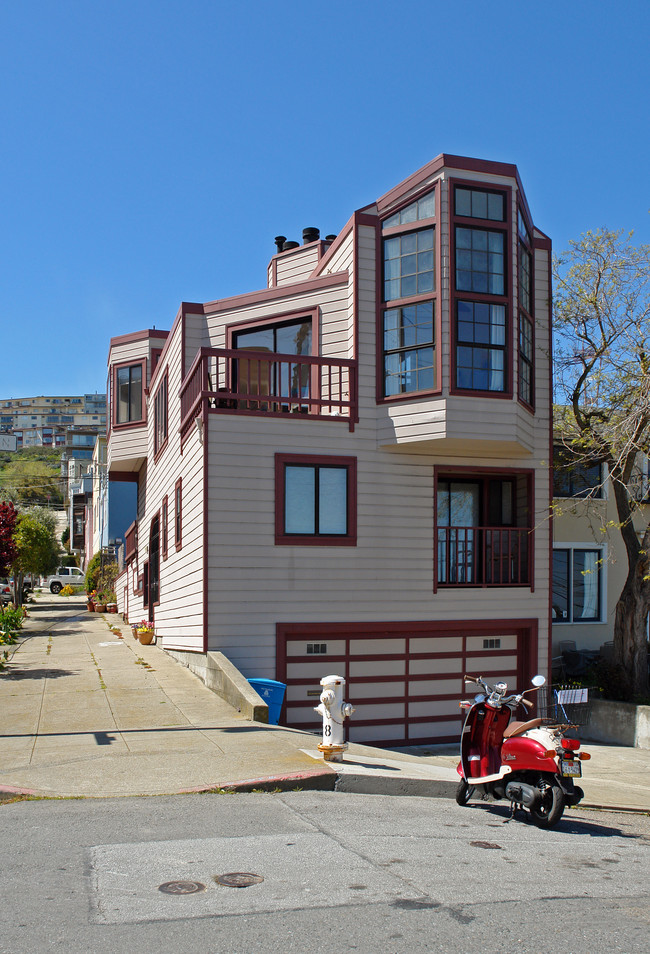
538,681
479,697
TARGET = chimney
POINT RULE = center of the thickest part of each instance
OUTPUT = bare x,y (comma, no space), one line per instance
310,235
289,245
279,241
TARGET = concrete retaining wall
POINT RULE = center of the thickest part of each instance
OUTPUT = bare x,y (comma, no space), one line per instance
618,723
219,674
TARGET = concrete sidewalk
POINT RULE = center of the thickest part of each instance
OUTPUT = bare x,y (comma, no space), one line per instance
89,712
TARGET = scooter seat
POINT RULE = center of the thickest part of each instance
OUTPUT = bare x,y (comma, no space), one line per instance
518,728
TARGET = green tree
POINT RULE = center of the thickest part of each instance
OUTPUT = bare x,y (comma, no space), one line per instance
29,482
602,371
36,545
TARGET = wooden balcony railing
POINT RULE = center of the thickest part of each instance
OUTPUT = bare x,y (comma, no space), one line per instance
483,556
266,383
131,542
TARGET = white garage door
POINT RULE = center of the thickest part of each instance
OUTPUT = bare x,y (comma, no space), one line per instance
405,679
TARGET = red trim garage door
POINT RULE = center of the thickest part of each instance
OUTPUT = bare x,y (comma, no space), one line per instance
405,679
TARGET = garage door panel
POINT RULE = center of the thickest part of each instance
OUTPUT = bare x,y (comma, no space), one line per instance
479,644
376,733
314,647
372,690
377,647
431,687
377,667
429,667
433,708
389,710
436,730
436,644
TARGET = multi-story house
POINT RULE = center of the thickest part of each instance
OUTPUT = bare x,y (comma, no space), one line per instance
348,471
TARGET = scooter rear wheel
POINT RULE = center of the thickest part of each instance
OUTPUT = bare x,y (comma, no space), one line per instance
464,793
551,808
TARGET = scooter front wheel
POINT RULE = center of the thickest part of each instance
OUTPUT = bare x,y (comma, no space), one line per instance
551,808
464,793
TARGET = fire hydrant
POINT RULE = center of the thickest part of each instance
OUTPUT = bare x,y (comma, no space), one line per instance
334,711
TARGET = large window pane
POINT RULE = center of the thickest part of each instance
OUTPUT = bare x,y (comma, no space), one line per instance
481,346
585,585
408,366
424,208
129,394
299,499
409,267
332,500
480,261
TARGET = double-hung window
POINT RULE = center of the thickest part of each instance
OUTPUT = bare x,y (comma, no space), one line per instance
575,478
480,289
408,332
315,500
128,392
577,585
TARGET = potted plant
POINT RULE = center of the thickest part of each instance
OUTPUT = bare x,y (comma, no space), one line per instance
100,605
145,632
111,602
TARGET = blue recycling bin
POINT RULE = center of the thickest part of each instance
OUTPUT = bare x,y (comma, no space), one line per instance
272,692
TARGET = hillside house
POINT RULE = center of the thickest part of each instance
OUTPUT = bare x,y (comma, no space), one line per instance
348,471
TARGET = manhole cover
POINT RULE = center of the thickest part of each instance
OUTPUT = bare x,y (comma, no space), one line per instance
484,844
238,879
181,887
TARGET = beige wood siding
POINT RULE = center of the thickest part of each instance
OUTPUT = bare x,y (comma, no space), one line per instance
297,265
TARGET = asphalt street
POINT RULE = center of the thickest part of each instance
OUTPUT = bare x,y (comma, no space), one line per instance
336,873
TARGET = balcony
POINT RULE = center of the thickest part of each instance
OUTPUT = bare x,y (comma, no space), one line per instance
262,383
483,556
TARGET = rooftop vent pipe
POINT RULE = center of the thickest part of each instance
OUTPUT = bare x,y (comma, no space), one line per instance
289,245
310,235
330,238
279,241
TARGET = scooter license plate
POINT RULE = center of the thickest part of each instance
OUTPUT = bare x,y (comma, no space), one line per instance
570,769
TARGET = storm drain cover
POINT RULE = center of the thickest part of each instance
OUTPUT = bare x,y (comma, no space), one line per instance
238,879
181,887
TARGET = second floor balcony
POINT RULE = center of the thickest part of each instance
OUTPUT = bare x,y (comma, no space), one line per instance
258,383
483,556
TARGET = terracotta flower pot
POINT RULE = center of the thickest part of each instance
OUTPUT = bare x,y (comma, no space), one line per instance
91,606
100,607
145,636
111,607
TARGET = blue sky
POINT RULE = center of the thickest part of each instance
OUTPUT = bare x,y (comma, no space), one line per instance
152,150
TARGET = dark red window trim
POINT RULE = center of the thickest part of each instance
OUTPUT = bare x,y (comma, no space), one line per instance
317,540
164,526
506,299
178,514
162,393
312,312
434,296
529,314
446,472
114,369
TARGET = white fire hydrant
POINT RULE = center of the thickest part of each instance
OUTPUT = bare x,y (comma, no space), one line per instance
334,711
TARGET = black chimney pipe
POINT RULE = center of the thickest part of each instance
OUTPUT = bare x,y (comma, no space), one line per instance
289,245
310,235
279,241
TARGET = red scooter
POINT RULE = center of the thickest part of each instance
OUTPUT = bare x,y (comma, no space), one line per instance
529,763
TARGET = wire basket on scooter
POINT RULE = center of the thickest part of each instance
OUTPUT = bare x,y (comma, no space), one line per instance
564,705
